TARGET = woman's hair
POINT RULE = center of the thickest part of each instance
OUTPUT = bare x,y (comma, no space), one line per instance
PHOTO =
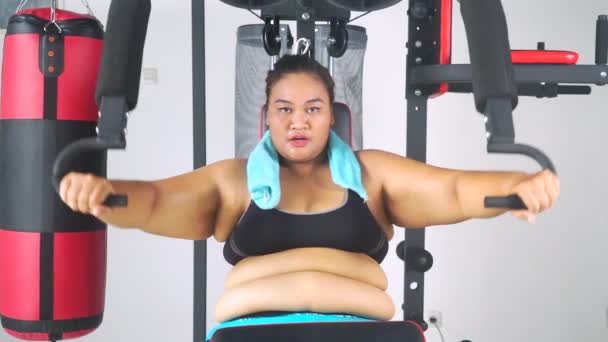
293,64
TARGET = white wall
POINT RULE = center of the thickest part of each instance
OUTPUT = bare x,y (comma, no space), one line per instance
496,280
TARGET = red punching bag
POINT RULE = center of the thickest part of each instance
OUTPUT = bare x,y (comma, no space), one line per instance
52,260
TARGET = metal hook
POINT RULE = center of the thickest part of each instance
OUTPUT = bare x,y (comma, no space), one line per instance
306,43
46,27
53,18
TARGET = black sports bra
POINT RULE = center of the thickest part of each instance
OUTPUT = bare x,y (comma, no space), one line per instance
351,227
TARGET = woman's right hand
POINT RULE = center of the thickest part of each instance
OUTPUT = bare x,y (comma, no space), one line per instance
85,193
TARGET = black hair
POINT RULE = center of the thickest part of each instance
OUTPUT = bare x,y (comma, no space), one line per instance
293,64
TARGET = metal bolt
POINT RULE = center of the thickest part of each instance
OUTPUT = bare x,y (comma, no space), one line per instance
488,135
603,74
418,60
418,43
278,39
331,41
417,92
305,15
413,285
97,130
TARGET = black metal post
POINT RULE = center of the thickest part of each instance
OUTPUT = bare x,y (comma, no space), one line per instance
413,286
424,41
306,18
200,159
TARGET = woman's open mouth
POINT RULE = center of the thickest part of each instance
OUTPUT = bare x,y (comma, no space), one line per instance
298,140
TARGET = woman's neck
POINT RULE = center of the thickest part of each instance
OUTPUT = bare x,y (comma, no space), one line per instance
307,168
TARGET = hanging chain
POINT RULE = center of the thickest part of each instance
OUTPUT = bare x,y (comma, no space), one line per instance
85,3
22,4
53,18
53,11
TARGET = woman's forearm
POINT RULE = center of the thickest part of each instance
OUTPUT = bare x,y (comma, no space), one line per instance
141,197
474,186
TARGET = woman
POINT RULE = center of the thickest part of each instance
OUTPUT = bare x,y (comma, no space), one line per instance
341,273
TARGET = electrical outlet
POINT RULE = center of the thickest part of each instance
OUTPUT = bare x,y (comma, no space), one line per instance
436,316
150,75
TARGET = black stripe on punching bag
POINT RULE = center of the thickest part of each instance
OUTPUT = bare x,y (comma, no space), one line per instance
27,151
47,242
50,98
59,326
47,247
26,23
51,65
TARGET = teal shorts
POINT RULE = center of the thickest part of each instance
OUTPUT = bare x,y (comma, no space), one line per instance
291,317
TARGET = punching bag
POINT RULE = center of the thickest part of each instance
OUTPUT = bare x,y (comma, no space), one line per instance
52,260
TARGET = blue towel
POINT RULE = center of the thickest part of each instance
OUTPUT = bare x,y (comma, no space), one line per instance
263,170
288,318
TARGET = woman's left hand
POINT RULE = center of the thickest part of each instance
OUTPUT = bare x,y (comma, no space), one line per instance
539,192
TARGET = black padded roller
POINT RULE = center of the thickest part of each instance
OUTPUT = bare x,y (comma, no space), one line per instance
601,40
252,4
488,41
363,5
121,62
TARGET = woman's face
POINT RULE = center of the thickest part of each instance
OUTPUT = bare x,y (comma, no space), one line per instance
299,117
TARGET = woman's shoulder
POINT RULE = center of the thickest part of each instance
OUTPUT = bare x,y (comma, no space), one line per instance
379,163
374,156
225,166
233,169
231,179
226,174
370,161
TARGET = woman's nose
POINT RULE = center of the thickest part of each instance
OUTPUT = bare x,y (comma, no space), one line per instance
299,120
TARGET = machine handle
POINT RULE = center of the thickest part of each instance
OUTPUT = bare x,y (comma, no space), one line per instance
514,201
63,162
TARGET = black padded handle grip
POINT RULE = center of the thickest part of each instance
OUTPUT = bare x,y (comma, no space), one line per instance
116,201
511,202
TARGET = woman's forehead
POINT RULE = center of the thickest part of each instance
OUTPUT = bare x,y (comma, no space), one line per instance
299,86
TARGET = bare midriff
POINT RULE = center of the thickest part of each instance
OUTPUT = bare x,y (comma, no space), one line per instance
319,280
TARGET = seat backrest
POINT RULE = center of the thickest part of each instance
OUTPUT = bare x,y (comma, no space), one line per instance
342,125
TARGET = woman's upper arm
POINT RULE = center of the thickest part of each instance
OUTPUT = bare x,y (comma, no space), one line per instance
415,194
186,205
